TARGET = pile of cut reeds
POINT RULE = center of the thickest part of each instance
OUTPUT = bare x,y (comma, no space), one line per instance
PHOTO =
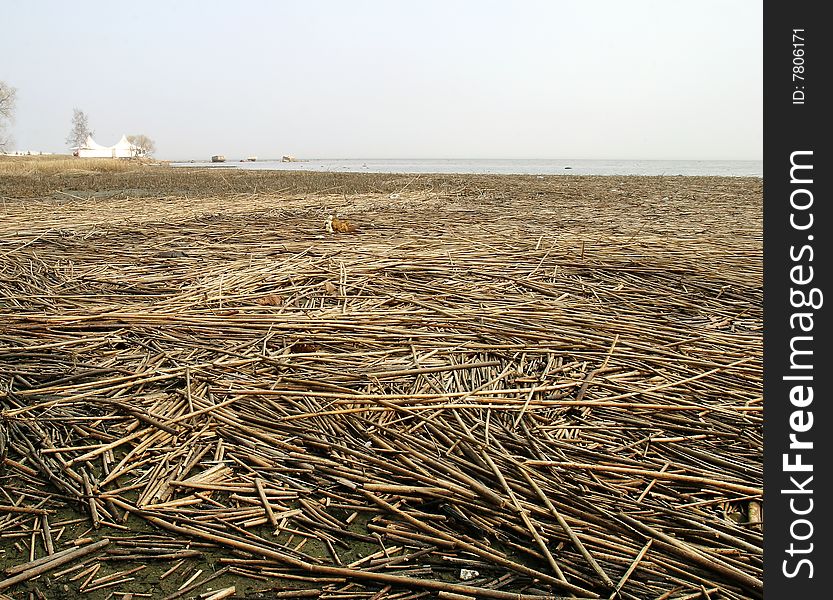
478,395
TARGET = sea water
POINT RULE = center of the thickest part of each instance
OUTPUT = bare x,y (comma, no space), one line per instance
724,168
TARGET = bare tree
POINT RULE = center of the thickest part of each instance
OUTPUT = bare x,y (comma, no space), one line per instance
80,129
7,105
143,144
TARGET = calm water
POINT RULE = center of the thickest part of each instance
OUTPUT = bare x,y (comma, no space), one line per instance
728,168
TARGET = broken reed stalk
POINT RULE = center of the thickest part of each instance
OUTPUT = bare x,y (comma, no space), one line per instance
38,567
690,553
703,481
406,582
564,525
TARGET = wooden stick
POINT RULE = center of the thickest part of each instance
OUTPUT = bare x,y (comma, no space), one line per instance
703,481
267,507
88,491
630,570
47,535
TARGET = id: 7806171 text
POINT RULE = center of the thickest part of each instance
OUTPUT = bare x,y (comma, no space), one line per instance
799,95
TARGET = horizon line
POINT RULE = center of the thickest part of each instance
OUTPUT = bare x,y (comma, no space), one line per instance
314,158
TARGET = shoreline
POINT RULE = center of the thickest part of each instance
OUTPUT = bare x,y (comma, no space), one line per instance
544,167
21,178
415,167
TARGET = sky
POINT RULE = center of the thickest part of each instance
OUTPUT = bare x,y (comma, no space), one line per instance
556,79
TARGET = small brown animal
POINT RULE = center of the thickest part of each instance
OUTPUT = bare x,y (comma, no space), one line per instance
335,225
270,300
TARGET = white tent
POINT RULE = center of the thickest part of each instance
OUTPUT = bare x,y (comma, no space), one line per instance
92,149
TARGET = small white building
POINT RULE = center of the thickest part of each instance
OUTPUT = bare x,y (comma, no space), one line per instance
92,149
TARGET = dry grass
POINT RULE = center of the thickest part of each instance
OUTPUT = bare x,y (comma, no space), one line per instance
556,383
59,164
33,177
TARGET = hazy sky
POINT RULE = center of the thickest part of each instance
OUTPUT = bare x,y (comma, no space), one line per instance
391,79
